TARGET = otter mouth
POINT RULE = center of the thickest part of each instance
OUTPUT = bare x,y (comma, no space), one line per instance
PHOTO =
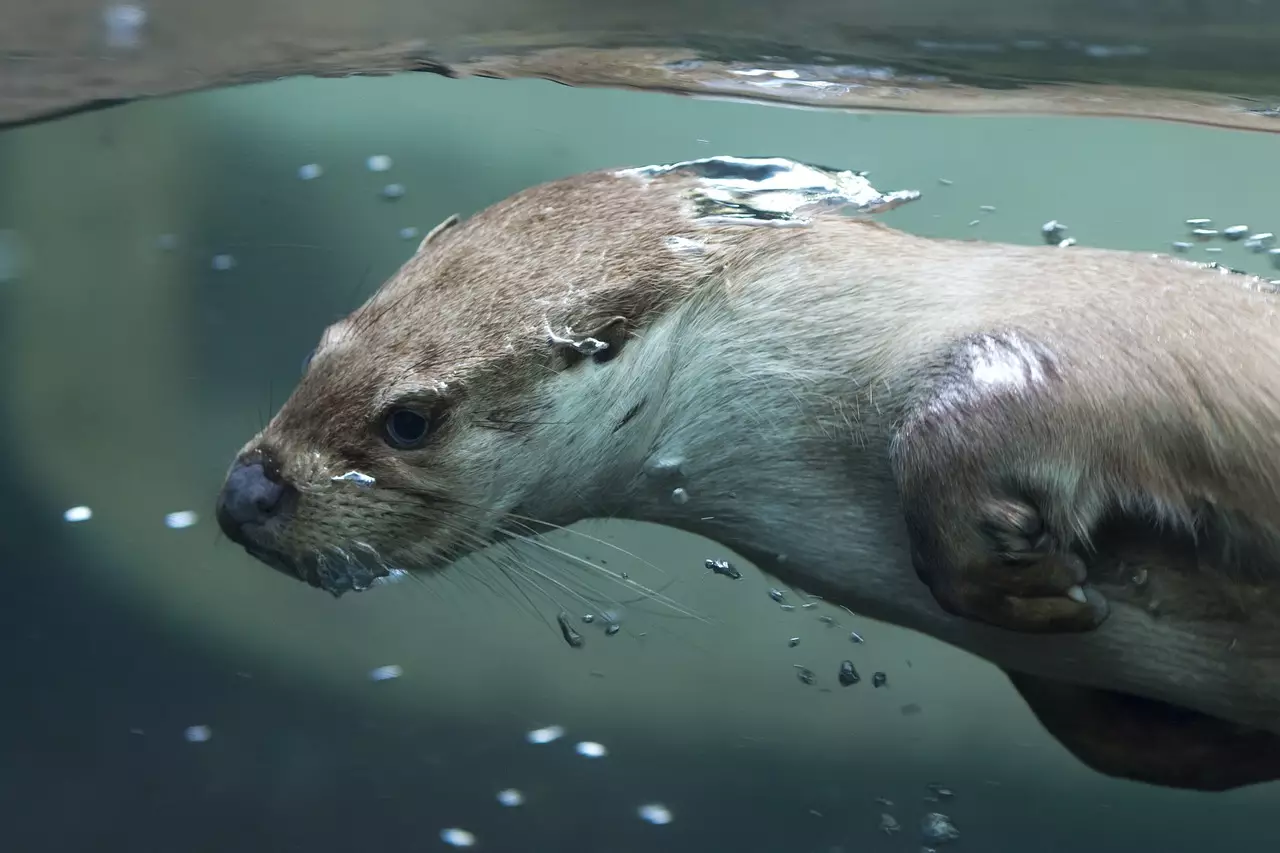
335,573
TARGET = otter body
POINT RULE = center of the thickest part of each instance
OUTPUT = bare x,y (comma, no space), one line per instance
1066,461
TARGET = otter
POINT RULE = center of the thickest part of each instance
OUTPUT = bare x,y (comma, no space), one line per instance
1063,460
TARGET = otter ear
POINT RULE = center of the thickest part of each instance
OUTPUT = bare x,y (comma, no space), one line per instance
601,343
438,230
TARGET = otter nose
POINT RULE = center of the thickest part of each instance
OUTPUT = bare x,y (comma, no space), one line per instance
252,494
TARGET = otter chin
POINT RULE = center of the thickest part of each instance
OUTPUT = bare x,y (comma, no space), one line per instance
256,510
986,443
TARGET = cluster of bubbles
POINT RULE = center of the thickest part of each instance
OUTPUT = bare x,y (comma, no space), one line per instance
454,836
654,813
225,262
935,827
848,673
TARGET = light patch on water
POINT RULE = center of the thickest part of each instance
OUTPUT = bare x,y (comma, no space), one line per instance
77,514
181,519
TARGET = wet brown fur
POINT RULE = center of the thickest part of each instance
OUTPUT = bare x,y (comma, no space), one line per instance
1158,423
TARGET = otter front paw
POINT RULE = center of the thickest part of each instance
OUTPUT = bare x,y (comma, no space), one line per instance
1000,564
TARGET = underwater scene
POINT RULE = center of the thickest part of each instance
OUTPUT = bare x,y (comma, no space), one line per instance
168,266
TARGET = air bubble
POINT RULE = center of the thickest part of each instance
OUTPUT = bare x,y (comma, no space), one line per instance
723,567
356,477
386,673
679,496
222,263
666,466
570,634
938,828
1260,242
1053,232
310,171
408,233
393,191
511,798
685,246
848,674
181,519
655,813
197,734
123,23
77,514
455,837
546,734
591,749
378,163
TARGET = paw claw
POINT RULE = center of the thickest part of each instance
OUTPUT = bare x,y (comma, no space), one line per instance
1076,594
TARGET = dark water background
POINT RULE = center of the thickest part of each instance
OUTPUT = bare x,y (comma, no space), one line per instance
132,370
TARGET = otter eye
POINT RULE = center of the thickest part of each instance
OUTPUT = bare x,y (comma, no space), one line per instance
405,429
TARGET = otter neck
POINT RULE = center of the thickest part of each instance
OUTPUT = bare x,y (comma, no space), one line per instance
705,425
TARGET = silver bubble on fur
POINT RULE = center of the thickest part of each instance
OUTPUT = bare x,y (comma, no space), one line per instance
771,190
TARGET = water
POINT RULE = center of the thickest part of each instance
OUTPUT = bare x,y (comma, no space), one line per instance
166,268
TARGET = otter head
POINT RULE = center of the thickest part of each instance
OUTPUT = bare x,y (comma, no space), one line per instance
471,393
422,421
